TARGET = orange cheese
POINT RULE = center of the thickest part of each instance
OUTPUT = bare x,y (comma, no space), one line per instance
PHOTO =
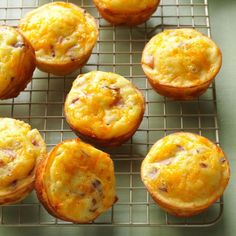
185,170
78,181
21,149
60,32
181,58
104,104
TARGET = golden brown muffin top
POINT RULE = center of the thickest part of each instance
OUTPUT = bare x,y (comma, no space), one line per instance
60,32
185,170
103,104
181,58
20,150
11,53
79,181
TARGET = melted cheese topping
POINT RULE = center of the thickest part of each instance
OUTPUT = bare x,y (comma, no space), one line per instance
79,180
181,58
103,104
60,32
20,150
185,170
11,53
124,6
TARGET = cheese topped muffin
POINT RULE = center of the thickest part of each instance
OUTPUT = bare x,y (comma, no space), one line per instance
185,173
181,63
126,12
17,62
76,182
104,107
21,149
62,34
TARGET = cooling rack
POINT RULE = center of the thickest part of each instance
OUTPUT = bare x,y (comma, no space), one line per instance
119,50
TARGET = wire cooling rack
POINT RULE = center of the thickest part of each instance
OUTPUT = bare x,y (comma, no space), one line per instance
119,50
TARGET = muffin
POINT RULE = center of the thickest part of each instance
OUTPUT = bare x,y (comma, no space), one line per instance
181,63
76,182
17,60
62,34
126,12
21,149
185,173
104,108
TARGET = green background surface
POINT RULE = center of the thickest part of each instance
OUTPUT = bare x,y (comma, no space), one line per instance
223,28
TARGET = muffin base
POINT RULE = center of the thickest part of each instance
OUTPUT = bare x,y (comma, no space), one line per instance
16,196
113,142
182,212
116,141
62,69
180,93
130,19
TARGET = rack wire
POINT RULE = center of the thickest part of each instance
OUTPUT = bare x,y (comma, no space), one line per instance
119,50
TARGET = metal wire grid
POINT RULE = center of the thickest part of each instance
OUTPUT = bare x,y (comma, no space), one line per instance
119,50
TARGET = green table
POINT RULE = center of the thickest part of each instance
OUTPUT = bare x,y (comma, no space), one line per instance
222,15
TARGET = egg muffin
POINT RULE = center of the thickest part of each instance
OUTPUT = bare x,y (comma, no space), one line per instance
76,182
104,108
185,173
62,34
181,63
21,149
17,60
126,12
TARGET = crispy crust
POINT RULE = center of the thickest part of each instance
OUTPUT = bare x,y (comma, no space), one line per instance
23,74
180,210
40,189
17,195
42,193
128,18
117,141
179,92
61,67
91,137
